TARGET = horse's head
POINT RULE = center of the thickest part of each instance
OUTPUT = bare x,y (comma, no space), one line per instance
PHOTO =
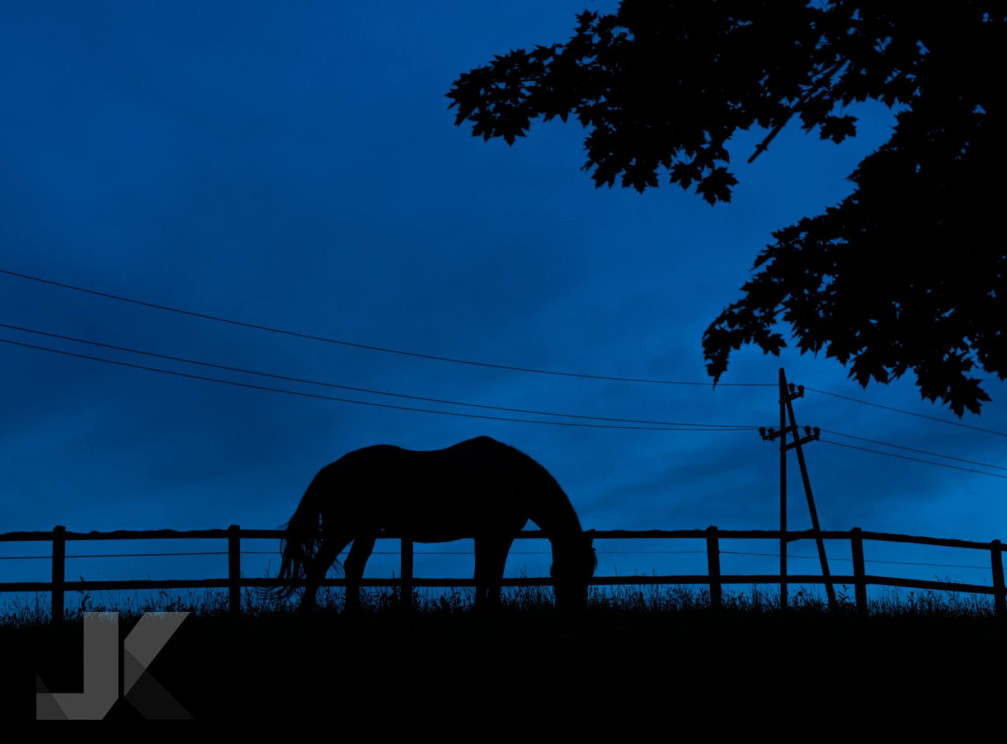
574,562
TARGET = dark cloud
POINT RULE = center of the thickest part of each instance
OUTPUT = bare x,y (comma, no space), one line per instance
298,168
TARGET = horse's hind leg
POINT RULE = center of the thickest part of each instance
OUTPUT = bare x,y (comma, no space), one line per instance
354,568
328,551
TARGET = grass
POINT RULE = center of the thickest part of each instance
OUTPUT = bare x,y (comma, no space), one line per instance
757,600
633,646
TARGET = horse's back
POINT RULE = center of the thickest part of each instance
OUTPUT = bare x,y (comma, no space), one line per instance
468,489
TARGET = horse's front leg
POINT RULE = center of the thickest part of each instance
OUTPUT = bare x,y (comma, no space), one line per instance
499,558
491,558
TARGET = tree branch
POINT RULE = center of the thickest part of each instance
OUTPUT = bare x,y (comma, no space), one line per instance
764,145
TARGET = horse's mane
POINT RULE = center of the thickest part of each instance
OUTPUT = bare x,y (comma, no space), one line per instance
533,470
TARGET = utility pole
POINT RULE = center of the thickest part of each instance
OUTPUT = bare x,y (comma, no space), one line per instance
788,393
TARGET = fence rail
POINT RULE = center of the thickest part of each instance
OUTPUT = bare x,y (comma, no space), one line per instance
714,579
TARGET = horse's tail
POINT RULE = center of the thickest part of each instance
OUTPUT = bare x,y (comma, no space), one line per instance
302,536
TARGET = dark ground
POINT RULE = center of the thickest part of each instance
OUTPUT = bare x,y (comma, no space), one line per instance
400,669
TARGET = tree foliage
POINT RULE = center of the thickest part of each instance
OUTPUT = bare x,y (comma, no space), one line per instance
905,273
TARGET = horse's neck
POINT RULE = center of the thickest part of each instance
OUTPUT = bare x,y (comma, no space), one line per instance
558,521
548,506
565,548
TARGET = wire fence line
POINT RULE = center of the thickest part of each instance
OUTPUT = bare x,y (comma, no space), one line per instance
790,556
714,578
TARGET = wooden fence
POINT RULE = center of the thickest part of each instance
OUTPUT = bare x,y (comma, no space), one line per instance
234,582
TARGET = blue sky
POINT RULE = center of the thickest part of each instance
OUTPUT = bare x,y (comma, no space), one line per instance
295,165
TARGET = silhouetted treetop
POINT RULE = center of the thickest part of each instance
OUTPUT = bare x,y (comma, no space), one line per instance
905,273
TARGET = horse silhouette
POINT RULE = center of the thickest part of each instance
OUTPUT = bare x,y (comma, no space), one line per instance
480,488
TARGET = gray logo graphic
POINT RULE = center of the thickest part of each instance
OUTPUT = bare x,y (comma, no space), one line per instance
101,670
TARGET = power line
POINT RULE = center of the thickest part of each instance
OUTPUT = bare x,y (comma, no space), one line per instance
471,405
914,459
369,347
348,400
907,413
370,391
912,449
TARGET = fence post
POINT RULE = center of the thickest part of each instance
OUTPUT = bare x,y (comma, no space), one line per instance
713,566
406,596
234,568
859,580
783,491
999,594
58,572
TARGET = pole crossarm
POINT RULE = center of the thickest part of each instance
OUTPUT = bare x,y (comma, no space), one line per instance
770,434
792,392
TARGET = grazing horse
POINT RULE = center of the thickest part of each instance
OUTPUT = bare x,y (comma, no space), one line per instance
479,488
